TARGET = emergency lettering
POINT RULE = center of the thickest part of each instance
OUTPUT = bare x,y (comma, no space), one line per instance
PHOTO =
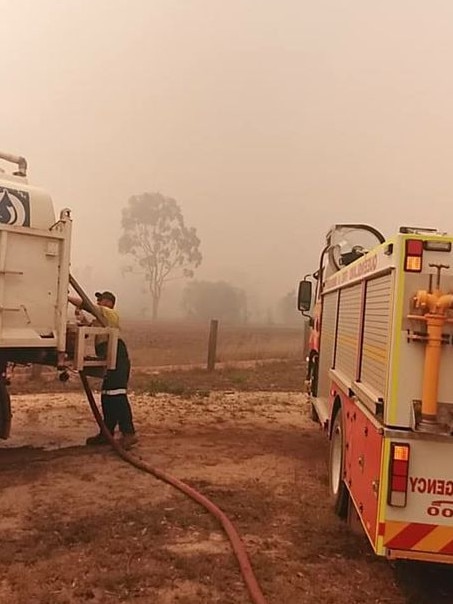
431,486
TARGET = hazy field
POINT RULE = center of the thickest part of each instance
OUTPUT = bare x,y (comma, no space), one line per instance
187,343
176,345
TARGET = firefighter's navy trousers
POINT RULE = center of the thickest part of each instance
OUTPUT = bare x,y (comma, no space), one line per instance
114,400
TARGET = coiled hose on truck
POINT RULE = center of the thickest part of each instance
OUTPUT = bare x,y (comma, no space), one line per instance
256,595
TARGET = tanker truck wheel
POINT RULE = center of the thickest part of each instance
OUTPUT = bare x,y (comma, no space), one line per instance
338,491
5,411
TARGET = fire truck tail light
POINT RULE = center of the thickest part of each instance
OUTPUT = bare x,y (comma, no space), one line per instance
413,256
398,475
400,452
399,484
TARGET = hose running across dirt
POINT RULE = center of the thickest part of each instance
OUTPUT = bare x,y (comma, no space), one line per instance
237,545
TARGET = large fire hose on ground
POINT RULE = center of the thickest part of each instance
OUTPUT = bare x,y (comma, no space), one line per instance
237,545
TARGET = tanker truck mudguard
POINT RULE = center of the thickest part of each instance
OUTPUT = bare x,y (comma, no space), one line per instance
35,248
380,382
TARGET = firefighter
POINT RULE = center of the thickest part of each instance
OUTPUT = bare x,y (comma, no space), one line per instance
116,408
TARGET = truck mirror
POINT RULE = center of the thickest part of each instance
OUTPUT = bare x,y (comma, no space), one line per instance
304,296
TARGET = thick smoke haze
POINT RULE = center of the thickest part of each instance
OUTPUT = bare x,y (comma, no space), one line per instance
267,121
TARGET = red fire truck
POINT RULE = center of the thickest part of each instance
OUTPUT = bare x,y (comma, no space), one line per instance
380,382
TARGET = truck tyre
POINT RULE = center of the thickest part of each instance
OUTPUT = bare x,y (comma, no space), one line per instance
5,411
338,491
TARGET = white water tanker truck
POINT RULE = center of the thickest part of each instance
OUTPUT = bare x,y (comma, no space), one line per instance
35,252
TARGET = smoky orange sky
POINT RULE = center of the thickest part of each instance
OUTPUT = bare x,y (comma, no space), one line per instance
268,121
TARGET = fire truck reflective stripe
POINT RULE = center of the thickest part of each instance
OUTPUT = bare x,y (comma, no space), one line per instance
409,535
447,549
392,529
437,539
419,537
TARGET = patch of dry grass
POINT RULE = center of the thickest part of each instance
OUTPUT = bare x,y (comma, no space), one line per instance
275,376
187,343
173,345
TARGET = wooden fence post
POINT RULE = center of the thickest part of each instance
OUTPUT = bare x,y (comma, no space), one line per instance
212,346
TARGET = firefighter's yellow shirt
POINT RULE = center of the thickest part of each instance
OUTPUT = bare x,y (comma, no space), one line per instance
113,320
112,317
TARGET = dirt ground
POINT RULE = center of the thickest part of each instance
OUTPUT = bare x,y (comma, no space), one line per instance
77,524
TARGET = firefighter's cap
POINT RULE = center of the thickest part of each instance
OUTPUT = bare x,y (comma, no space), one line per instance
106,296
